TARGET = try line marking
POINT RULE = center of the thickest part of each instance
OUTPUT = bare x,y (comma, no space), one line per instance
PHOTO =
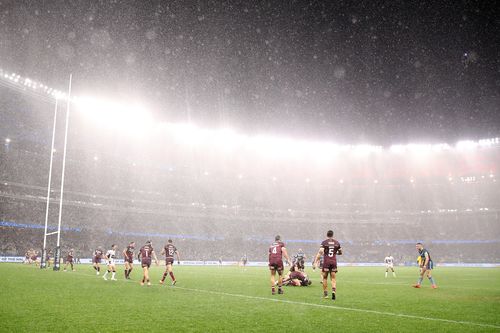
334,307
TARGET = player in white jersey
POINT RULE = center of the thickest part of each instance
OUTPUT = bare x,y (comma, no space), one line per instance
389,264
110,261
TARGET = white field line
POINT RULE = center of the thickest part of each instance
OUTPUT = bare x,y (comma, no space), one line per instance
333,307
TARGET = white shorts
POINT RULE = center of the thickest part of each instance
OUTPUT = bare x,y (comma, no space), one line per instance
111,262
389,266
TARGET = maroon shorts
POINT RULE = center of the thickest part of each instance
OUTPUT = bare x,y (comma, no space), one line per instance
130,260
69,259
146,263
169,261
96,260
276,265
34,258
330,267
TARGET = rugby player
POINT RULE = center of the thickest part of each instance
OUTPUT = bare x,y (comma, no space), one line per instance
128,256
389,264
296,278
426,266
299,260
96,260
34,257
69,259
110,261
145,254
47,258
330,247
244,260
169,250
277,251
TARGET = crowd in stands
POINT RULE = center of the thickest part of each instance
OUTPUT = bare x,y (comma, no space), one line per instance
230,210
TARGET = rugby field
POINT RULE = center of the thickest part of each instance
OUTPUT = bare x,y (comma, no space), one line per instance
231,299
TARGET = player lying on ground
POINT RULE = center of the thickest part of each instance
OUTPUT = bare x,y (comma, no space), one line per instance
128,257
426,266
69,260
329,249
296,278
110,261
169,250
145,254
277,251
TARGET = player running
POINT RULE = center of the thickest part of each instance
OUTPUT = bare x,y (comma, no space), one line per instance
110,261
69,259
426,266
96,260
389,264
329,249
128,256
277,251
145,254
169,250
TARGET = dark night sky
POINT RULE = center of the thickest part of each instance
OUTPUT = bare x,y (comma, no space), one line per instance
378,71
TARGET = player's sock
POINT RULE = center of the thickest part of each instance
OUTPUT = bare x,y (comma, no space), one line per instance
113,275
273,290
99,268
394,274
126,273
431,279
385,273
172,276
129,271
419,282
95,268
164,276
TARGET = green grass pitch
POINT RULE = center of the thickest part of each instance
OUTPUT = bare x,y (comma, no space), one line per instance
231,299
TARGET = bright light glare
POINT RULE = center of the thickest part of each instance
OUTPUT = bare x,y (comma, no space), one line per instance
131,118
7,140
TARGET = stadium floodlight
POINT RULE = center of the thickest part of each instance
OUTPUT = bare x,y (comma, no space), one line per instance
466,145
7,140
132,118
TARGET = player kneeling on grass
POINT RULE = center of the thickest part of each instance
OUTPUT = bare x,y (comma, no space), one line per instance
69,260
110,261
329,249
169,250
296,278
128,256
276,252
426,266
145,254
96,260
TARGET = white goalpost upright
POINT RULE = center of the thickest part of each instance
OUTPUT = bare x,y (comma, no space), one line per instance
43,263
57,254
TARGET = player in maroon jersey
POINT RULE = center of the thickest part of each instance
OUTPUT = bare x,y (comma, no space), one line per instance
96,260
329,249
145,254
128,256
69,259
169,250
296,278
277,250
